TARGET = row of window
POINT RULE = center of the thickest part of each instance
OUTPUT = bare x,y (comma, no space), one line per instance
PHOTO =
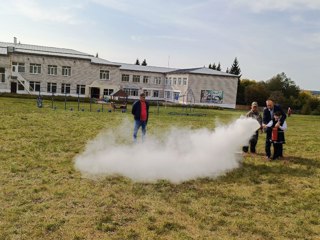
35,68
156,80
153,93
65,88
176,81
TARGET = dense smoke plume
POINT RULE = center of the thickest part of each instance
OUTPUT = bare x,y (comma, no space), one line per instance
179,155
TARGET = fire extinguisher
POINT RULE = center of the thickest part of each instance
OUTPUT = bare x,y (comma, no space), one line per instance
274,135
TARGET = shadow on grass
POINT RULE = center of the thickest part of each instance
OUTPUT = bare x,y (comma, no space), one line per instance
254,171
304,161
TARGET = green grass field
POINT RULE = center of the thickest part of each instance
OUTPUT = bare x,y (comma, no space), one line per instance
43,197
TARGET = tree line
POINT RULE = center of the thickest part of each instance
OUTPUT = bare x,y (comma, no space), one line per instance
280,88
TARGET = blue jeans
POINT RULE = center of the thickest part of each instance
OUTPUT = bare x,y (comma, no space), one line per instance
137,125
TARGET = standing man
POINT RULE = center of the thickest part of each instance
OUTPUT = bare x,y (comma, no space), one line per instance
253,113
140,111
268,115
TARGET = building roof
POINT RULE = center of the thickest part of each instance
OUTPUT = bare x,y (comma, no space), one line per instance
52,51
202,70
70,53
140,68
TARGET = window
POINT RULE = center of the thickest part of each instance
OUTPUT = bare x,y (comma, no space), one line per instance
155,93
35,68
147,93
107,92
66,71
167,81
136,78
81,89
34,86
168,94
51,87
157,80
176,96
65,88
170,81
52,70
185,81
174,81
19,66
145,79
131,91
104,75
21,86
179,81
125,78
2,75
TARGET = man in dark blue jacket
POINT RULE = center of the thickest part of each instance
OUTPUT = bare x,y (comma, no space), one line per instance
268,113
140,111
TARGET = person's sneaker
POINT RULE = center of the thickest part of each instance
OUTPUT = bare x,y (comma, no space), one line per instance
268,158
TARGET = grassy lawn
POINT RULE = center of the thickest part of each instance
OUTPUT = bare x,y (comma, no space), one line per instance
43,197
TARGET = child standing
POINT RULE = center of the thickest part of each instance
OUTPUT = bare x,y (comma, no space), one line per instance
276,136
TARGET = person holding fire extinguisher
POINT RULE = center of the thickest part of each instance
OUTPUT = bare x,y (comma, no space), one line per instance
268,115
277,135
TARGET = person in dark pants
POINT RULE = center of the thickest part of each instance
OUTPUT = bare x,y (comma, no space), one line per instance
140,111
253,113
268,115
277,135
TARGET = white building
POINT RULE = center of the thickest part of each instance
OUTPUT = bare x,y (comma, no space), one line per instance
47,70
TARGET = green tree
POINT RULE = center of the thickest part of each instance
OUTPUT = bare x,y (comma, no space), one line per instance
214,67
242,84
144,63
282,83
235,69
218,67
255,92
210,66
137,62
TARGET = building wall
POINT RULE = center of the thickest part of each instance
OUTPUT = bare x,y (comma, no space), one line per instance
149,87
5,63
228,85
82,72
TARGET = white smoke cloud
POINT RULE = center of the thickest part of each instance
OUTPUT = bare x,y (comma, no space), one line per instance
179,155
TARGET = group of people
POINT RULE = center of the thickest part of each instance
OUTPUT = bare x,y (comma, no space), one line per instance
273,123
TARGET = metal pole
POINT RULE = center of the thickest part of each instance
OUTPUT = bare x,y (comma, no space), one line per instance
78,101
52,101
65,100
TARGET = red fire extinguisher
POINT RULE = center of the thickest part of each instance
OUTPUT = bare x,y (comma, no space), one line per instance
274,135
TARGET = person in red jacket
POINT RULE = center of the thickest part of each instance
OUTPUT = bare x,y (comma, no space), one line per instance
140,111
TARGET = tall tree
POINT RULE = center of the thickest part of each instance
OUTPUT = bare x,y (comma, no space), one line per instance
227,71
214,67
144,63
235,69
137,62
210,65
218,67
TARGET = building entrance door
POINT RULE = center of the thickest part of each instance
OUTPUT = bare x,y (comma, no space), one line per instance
13,87
95,92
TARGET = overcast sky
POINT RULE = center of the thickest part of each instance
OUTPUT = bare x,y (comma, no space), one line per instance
267,36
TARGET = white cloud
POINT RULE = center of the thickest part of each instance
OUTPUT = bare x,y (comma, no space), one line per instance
40,11
276,5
